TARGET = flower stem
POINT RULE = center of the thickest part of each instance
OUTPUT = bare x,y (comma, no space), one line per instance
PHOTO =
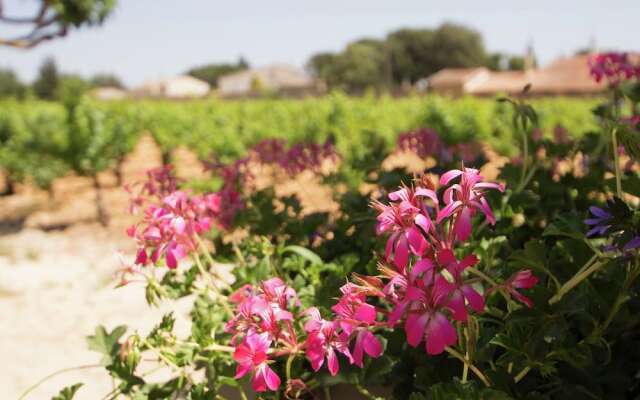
210,283
363,391
56,373
522,374
289,362
482,275
473,368
219,347
576,279
614,143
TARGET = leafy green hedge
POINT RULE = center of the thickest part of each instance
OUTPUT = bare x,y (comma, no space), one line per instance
97,134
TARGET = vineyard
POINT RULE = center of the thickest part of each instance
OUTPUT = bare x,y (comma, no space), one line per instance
86,136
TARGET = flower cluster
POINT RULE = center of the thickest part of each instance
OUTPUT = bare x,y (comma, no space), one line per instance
422,286
427,143
263,329
418,291
613,221
614,67
300,157
171,219
427,285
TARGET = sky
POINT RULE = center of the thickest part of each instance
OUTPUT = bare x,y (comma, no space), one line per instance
150,39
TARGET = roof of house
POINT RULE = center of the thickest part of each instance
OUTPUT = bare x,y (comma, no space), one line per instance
568,75
275,76
174,87
454,76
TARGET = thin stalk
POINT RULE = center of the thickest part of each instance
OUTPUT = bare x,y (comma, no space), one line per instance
575,280
210,260
54,374
210,283
473,368
525,156
482,275
161,356
243,395
219,347
616,160
363,391
522,374
289,363
621,298
327,392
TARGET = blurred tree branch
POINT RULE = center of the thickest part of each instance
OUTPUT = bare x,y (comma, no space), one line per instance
53,19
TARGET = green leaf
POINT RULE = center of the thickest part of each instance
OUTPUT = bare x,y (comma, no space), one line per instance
305,253
68,392
566,225
106,343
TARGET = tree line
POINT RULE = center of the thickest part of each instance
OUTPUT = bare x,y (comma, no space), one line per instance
401,58
405,56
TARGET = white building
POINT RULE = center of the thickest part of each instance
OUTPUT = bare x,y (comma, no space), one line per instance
282,79
179,87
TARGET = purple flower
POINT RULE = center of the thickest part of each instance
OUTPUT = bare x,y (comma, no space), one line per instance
600,223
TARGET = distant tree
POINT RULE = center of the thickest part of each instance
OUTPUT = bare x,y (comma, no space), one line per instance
10,85
102,80
360,66
46,84
456,46
54,18
71,86
211,72
516,63
411,53
405,56
507,62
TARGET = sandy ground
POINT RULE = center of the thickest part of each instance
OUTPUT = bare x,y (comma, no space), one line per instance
57,282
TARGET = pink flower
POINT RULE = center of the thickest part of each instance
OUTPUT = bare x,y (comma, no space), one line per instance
404,219
323,340
462,291
615,67
251,356
425,319
355,316
521,280
464,199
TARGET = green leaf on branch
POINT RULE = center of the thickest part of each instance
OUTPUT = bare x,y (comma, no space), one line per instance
68,392
568,225
106,343
305,253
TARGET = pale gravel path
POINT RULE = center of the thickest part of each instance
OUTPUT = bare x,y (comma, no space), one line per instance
54,289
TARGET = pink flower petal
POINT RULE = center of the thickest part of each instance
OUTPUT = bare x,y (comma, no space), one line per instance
417,244
440,333
414,328
401,255
457,306
449,176
448,211
463,224
332,362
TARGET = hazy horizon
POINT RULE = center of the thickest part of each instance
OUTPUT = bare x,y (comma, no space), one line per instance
149,39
